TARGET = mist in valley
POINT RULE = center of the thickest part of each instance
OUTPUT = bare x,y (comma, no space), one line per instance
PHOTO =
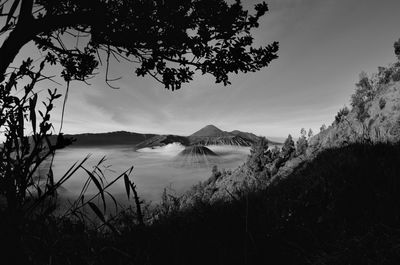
154,168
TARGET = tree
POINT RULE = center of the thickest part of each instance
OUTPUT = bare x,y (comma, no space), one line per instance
342,113
302,144
258,155
397,49
310,133
169,40
288,147
323,128
303,132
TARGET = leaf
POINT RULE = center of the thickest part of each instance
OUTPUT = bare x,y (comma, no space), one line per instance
127,186
32,114
97,211
115,202
98,185
21,123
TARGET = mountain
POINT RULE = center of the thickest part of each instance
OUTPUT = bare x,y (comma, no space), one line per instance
109,138
197,156
209,131
208,135
245,135
211,135
161,140
223,140
254,138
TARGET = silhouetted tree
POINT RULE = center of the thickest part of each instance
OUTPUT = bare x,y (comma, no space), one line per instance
168,40
323,128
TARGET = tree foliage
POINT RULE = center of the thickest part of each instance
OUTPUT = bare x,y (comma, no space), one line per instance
258,155
302,144
342,113
169,40
396,46
288,148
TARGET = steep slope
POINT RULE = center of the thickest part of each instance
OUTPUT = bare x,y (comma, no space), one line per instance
161,140
342,207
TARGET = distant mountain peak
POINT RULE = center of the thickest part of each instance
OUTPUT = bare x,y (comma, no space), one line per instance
209,131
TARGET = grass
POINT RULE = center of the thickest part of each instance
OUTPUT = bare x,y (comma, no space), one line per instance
341,208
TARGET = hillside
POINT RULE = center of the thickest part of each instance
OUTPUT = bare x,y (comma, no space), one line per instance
340,208
372,119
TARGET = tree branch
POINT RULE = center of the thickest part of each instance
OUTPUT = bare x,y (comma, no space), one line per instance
23,34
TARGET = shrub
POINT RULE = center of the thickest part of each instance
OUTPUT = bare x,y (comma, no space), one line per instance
382,103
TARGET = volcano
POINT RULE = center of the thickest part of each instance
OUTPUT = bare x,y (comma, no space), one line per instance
211,135
196,156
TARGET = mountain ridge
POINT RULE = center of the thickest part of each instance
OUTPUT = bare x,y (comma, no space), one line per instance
208,135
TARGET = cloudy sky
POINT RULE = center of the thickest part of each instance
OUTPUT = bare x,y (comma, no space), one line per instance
324,45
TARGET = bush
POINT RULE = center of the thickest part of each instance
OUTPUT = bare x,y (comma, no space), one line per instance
382,103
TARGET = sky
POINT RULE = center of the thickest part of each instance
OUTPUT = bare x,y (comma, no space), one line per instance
324,45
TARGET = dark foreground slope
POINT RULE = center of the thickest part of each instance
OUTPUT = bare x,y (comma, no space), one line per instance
341,208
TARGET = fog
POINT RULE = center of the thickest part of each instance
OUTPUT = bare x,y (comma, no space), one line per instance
154,168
